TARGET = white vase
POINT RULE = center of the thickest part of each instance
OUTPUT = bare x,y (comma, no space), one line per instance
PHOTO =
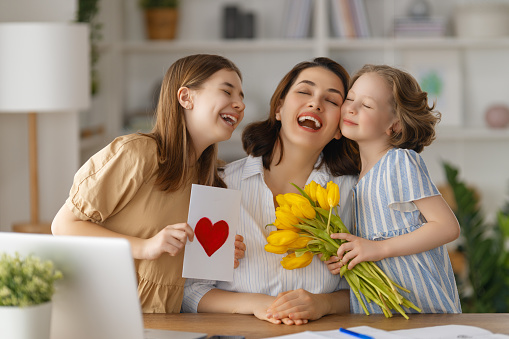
32,322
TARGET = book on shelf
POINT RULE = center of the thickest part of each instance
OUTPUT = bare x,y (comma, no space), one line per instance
349,19
297,19
419,27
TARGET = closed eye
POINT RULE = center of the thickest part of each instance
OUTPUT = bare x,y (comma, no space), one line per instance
366,106
302,92
227,92
333,102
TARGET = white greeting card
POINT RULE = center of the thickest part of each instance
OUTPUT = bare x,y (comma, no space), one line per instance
214,214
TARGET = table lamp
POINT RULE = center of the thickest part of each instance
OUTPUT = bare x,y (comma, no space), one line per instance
44,67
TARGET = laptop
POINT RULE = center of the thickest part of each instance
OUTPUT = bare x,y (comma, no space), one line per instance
97,298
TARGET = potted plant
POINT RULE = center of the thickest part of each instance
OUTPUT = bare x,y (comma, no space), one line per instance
161,18
26,288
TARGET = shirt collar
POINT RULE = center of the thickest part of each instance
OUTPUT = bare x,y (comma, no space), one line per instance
254,166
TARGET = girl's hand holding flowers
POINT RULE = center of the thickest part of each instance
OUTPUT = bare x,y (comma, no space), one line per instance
305,223
356,250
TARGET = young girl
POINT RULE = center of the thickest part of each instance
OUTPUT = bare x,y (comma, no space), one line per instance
138,187
401,220
299,142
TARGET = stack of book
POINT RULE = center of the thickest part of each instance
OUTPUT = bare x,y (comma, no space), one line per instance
407,27
297,19
349,19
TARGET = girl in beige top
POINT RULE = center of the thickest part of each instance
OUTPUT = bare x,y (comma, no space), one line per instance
138,187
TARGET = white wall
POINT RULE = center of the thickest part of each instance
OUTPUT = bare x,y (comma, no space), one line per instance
58,135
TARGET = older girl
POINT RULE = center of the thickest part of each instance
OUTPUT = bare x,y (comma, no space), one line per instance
138,187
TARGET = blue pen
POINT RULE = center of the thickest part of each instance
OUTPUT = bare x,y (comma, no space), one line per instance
355,334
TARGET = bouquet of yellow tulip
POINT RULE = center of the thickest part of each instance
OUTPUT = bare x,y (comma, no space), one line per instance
304,224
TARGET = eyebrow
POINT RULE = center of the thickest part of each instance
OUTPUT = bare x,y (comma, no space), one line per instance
333,90
227,84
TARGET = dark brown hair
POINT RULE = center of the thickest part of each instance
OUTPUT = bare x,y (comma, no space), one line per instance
174,143
260,138
410,104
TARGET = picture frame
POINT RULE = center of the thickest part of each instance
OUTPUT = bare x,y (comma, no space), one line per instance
439,74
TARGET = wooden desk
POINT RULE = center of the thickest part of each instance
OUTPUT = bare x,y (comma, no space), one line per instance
252,328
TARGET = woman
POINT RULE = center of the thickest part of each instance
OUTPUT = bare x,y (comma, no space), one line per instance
299,142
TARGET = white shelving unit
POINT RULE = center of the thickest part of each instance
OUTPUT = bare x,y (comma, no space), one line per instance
131,67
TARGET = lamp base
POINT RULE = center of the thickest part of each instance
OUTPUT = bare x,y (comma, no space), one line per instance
43,228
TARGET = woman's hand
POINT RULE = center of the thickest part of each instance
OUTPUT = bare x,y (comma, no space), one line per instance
240,249
170,239
297,307
357,250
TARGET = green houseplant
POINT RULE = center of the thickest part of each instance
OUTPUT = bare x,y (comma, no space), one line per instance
161,18
87,12
485,288
26,289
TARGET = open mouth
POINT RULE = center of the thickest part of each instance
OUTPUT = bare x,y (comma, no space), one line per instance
229,119
310,122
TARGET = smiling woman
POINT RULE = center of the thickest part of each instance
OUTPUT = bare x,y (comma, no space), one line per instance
298,142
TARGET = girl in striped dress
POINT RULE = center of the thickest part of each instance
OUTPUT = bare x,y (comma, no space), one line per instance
401,220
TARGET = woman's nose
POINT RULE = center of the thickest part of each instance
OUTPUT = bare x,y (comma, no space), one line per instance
239,105
316,104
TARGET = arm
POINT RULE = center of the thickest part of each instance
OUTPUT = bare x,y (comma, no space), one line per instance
220,301
441,228
170,239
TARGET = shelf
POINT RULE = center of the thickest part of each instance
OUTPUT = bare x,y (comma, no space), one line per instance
419,43
256,45
238,45
471,134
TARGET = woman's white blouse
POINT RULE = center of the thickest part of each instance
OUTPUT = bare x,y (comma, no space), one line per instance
260,271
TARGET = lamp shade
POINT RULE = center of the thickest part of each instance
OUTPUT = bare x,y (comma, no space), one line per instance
44,67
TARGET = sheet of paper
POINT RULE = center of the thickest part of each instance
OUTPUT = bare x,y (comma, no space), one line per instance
434,332
449,332
371,331
214,214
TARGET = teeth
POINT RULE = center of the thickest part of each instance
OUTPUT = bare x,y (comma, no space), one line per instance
229,119
306,117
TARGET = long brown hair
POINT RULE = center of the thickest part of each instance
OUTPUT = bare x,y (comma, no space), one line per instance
260,138
410,104
174,143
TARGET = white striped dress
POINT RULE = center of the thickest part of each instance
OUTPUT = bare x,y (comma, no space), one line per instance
260,271
384,208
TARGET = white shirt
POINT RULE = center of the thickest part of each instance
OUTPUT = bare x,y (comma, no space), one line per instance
260,271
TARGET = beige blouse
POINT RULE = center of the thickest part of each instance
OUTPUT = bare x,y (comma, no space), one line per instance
115,188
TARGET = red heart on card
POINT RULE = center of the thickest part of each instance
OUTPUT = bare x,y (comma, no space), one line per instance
211,237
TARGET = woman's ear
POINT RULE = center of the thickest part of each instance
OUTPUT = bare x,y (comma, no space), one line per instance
278,110
185,98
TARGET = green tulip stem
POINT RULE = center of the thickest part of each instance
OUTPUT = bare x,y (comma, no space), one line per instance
328,221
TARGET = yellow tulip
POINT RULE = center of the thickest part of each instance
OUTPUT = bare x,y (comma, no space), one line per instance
332,194
291,261
286,218
281,201
321,196
295,199
276,249
283,226
307,210
310,190
282,237
299,243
